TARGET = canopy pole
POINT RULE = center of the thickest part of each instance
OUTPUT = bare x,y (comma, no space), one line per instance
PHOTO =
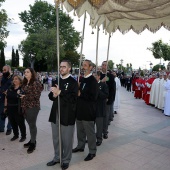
81,51
97,43
108,48
58,70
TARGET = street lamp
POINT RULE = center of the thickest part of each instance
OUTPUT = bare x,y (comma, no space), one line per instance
121,61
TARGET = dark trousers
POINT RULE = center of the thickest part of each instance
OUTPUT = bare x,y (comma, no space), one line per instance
2,121
99,128
86,128
109,114
31,117
16,120
67,133
129,87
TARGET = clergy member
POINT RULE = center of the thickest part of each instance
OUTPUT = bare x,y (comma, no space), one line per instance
157,88
162,92
116,104
148,88
153,91
167,97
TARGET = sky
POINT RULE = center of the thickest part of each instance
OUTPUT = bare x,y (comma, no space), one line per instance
129,47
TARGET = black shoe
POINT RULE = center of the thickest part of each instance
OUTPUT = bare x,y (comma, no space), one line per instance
1,131
22,139
8,132
98,143
26,145
64,166
115,112
31,148
89,157
52,163
111,119
105,136
77,150
14,138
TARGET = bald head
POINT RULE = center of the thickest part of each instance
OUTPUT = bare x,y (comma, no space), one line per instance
6,68
6,71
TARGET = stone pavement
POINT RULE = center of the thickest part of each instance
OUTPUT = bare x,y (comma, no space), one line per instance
139,139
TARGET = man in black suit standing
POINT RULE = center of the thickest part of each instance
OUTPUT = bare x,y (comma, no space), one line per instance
67,91
101,108
86,112
108,78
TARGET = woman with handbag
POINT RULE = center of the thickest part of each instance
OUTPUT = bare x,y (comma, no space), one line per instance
13,108
30,104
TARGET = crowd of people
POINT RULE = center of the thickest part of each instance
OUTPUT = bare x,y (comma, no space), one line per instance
20,101
154,89
90,103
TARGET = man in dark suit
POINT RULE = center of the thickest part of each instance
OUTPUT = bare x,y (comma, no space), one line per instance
67,91
101,108
108,78
86,112
6,80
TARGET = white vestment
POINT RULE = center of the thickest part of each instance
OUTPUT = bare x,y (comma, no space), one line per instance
157,90
162,93
153,92
116,104
167,98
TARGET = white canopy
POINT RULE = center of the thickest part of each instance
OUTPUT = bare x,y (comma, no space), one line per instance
123,15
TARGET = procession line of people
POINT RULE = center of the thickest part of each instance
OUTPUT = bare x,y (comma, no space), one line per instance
154,90
89,104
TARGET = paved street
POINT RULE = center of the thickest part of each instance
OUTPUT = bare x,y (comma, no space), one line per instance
139,139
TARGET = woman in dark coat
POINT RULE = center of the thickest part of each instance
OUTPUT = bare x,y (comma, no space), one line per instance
13,106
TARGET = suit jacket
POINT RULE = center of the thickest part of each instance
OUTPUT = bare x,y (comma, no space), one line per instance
101,100
112,87
68,101
86,105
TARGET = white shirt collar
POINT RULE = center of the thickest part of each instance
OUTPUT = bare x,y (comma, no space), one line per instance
65,77
88,75
99,81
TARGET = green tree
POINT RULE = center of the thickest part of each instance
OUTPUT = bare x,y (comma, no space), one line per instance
160,50
73,56
110,64
17,59
13,62
157,67
142,73
8,62
3,25
40,24
2,59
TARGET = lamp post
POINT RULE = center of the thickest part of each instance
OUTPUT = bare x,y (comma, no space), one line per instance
121,61
160,65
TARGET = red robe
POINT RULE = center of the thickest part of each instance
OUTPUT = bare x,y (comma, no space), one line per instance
148,89
143,89
138,90
134,83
